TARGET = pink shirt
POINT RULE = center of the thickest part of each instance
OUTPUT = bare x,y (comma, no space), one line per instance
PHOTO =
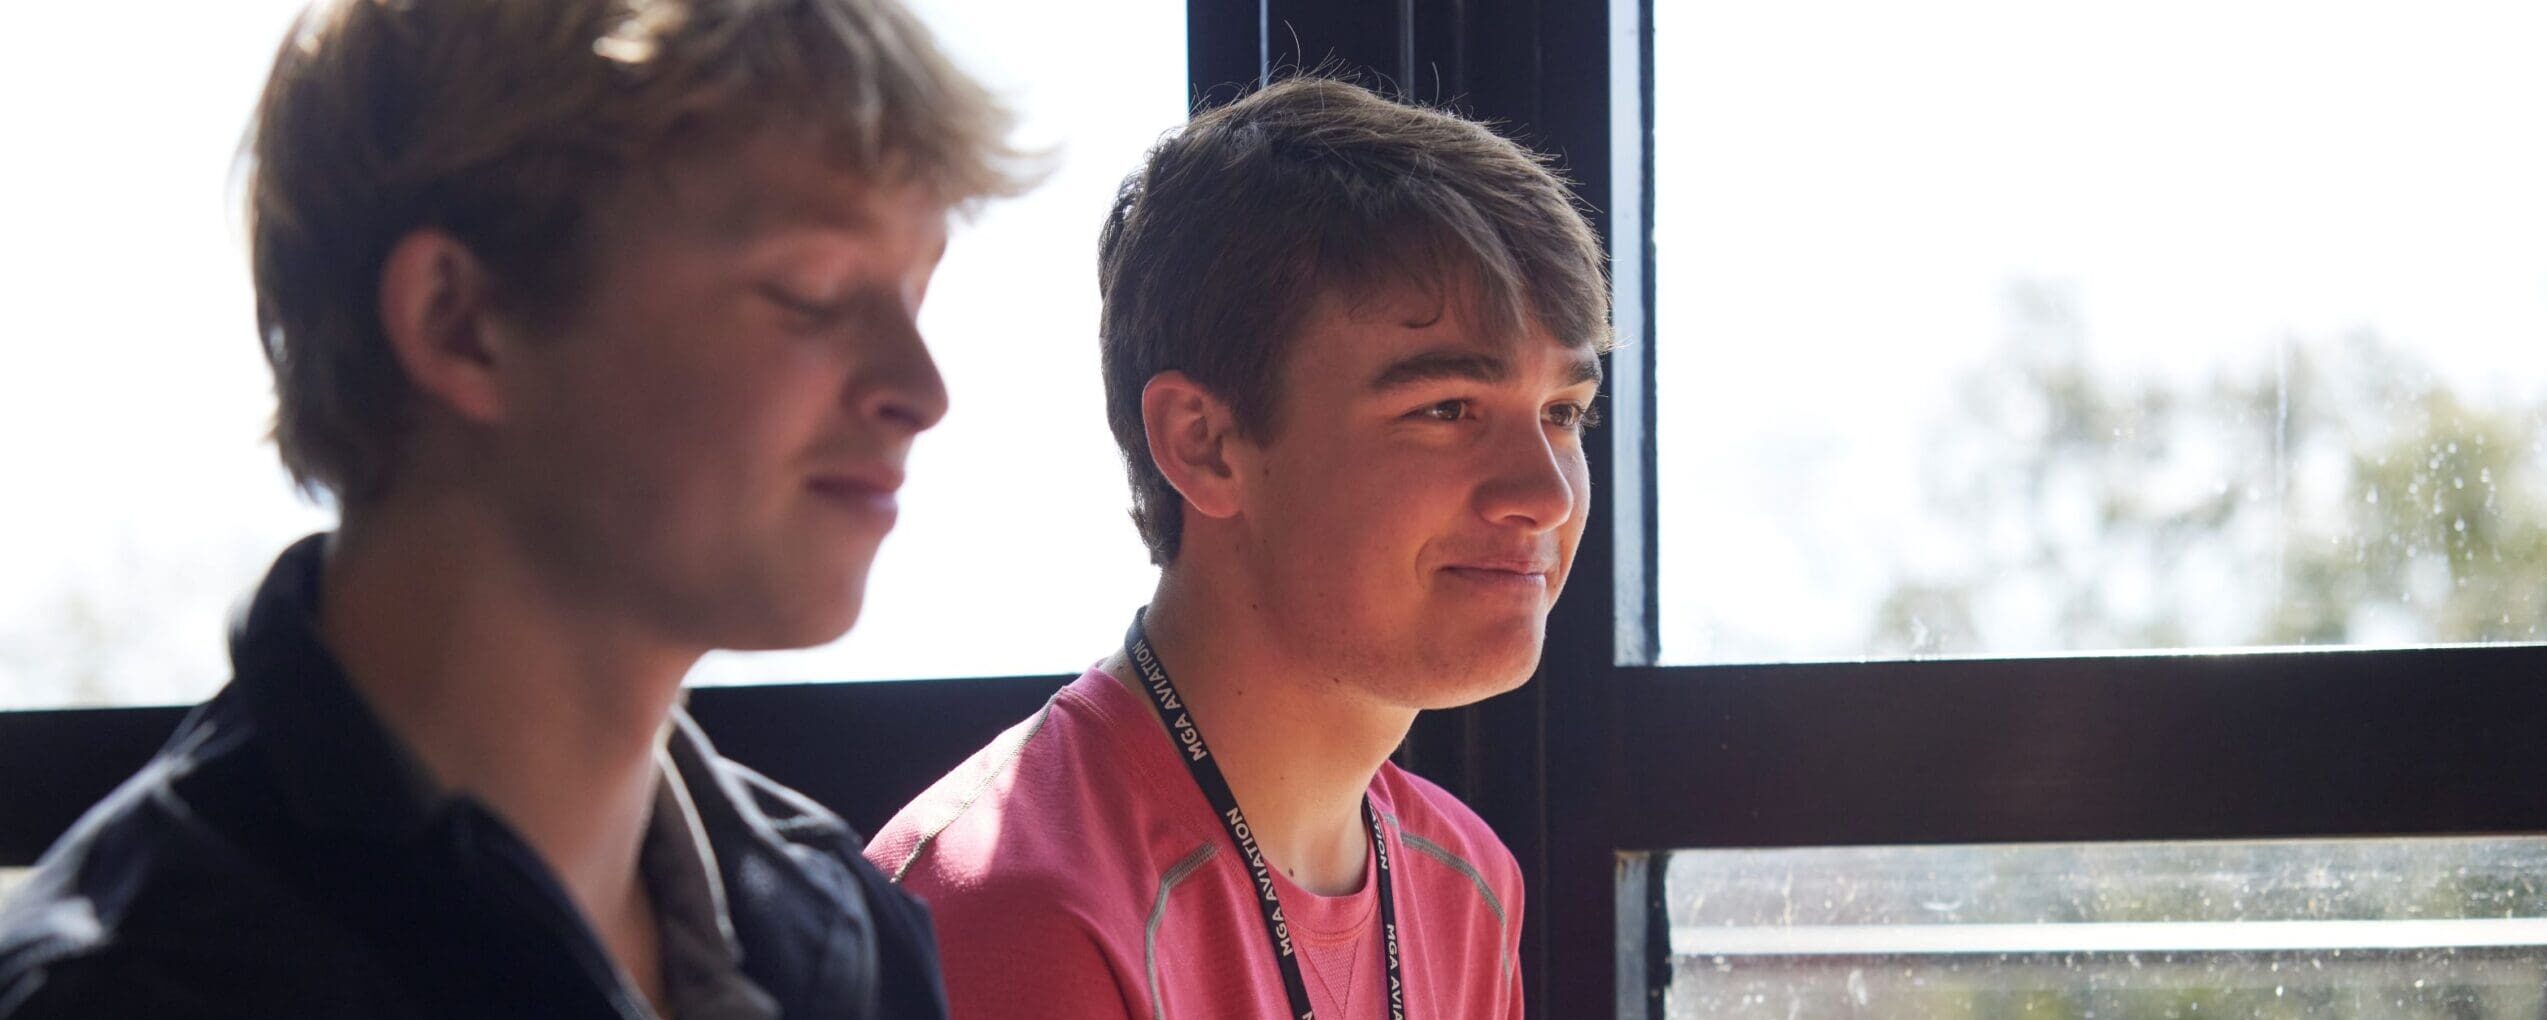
1076,872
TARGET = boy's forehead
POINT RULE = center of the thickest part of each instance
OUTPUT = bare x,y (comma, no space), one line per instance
844,204
772,181
1391,320
1390,344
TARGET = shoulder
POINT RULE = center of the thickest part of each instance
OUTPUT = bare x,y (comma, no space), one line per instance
1032,935
1442,834
1028,876
151,881
1042,854
1426,812
99,982
194,974
1018,775
114,980
1057,806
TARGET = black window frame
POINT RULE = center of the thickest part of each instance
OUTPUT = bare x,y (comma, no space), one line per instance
1605,757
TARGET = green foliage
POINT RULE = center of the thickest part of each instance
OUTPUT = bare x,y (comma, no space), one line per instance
2339,492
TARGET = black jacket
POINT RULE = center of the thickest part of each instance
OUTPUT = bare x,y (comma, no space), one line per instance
278,859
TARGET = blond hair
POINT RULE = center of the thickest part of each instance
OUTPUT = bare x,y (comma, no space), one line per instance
503,121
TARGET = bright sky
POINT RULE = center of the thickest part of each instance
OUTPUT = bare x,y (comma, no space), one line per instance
145,501
1846,190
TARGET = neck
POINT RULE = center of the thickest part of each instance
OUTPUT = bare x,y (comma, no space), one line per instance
549,715
1299,748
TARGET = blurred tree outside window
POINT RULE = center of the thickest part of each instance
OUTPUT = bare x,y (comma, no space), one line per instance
1997,328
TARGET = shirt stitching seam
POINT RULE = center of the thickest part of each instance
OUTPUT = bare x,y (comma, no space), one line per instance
1440,853
989,776
1183,869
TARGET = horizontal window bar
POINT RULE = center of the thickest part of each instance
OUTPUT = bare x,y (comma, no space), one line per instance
2111,937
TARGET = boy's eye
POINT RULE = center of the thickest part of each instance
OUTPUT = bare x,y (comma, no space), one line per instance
867,308
1448,410
800,307
1572,416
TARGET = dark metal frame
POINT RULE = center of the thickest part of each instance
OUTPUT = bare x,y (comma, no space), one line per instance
1603,756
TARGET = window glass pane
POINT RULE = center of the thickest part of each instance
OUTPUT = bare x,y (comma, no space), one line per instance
1990,327
1015,552
145,499
2321,929
142,495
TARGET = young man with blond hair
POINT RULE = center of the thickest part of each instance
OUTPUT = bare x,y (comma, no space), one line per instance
1350,350
596,318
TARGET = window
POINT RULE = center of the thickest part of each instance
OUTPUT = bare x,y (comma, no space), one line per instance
2323,928
1993,328
1980,340
144,497
138,400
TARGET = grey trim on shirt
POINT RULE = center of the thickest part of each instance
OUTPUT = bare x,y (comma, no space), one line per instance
1184,868
1436,851
1033,726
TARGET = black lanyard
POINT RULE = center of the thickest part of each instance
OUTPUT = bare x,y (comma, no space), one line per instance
1207,775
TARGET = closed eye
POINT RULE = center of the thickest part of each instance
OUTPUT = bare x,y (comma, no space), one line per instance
802,312
866,308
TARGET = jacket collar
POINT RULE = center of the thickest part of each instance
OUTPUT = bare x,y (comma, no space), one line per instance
339,767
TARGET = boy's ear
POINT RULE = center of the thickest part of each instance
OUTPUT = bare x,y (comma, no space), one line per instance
1190,429
434,310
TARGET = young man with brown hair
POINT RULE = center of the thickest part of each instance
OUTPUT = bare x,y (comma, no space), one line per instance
597,319
1350,349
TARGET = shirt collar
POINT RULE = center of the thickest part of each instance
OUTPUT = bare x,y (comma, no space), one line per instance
702,959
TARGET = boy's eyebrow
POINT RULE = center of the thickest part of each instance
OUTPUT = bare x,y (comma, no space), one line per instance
1430,366
1473,366
1587,368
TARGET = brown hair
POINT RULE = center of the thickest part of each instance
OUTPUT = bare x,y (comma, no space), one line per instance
504,121
1237,224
